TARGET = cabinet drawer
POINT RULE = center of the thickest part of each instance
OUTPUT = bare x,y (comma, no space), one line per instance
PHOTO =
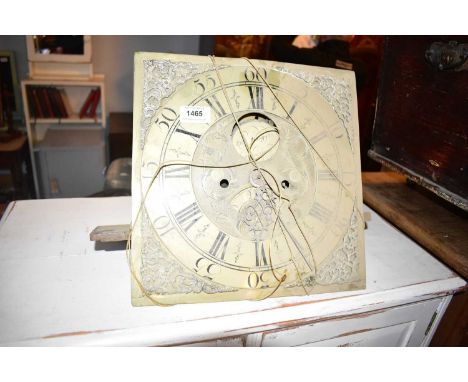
405,325
394,335
222,342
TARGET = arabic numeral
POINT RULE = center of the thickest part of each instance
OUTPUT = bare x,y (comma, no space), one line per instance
258,74
194,113
166,118
258,280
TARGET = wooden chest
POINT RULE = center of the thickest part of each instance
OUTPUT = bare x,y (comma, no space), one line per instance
421,124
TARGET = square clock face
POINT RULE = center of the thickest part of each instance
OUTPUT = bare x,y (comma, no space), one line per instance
246,180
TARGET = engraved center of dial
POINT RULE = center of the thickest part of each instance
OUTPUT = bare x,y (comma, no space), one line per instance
240,199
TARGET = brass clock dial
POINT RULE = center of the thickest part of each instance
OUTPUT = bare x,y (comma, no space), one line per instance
259,193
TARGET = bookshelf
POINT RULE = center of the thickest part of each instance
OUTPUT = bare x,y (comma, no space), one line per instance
59,119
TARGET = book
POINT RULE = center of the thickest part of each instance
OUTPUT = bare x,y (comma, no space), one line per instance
66,102
94,104
60,104
48,105
32,105
40,104
87,103
57,103
53,102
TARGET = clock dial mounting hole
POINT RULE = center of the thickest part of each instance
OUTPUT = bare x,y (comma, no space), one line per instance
224,183
285,184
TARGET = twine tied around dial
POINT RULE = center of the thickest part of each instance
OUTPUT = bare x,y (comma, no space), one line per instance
274,189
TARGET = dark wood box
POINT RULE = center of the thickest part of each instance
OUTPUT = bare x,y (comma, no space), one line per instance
421,122
120,135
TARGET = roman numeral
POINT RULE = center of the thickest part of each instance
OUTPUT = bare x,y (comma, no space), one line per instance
260,257
293,107
189,133
320,212
256,97
326,175
163,225
146,167
348,178
188,216
337,130
177,172
216,106
317,138
218,249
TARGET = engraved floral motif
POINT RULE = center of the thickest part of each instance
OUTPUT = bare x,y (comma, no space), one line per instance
343,265
336,92
160,273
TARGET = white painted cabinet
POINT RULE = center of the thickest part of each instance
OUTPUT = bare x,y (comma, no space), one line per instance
58,288
406,325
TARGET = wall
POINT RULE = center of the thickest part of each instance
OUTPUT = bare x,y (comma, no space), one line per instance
18,45
113,57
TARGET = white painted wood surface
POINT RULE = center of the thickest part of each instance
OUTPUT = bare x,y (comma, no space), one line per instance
59,288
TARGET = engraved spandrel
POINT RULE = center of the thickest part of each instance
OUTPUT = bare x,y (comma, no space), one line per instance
342,265
160,79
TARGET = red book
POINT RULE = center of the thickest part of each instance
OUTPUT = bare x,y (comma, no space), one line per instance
53,102
94,105
60,104
32,105
48,104
87,104
37,104
41,98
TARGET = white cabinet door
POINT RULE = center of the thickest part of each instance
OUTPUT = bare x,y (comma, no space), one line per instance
406,325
